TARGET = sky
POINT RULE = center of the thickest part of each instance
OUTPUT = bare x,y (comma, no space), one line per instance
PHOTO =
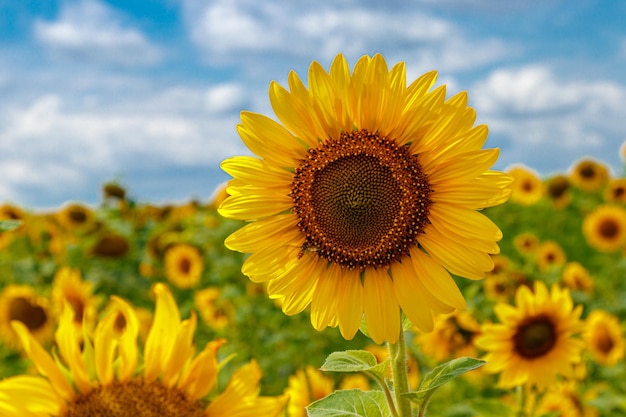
148,92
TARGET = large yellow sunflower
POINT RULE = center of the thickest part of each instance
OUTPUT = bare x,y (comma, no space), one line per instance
106,378
535,340
604,337
605,228
364,197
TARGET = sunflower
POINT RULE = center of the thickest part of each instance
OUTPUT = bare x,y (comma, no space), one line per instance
526,243
214,312
605,228
69,288
21,303
550,254
566,399
106,376
452,337
576,277
536,339
76,217
604,337
364,197
527,186
110,245
183,265
558,190
304,387
589,174
615,191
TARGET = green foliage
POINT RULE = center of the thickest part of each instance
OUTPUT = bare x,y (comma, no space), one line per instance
350,403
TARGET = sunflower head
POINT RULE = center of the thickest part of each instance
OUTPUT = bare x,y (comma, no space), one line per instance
605,228
183,265
69,288
615,191
604,337
558,190
536,339
103,374
76,217
363,197
527,186
589,174
550,255
576,277
21,303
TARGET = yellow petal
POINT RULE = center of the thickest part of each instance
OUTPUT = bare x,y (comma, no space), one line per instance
271,232
127,347
382,314
262,203
437,280
350,292
412,296
324,300
256,172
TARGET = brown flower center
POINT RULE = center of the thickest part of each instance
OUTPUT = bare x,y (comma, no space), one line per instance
608,229
535,337
361,200
184,265
604,341
134,399
31,314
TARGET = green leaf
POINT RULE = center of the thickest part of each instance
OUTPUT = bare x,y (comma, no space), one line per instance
441,374
354,361
8,225
490,407
350,403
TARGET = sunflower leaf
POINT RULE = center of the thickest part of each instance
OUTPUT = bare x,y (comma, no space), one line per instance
8,225
354,361
440,375
350,403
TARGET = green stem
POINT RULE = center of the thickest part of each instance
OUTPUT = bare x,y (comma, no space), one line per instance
388,396
397,353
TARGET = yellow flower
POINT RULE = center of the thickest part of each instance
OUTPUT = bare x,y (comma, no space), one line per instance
452,337
364,197
21,303
535,340
549,255
605,228
69,288
526,243
558,189
214,312
110,245
589,174
565,399
576,277
106,376
183,265
604,338
76,217
305,387
527,186
615,191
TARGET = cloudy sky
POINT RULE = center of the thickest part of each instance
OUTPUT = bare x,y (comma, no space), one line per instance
148,92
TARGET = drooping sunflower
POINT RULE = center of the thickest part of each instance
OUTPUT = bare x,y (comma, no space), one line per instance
589,174
106,378
214,312
604,337
605,228
183,265
364,197
22,303
536,340
576,277
527,186
111,245
69,288
558,190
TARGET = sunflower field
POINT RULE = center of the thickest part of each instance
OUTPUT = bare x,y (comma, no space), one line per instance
373,277
568,229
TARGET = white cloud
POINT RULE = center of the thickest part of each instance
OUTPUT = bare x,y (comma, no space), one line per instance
91,30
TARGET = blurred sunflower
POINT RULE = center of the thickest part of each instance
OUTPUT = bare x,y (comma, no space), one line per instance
535,340
13,212
615,191
550,254
69,288
111,245
21,303
558,190
305,387
576,277
452,337
527,186
107,378
604,337
565,399
589,174
183,265
76,217
605,228
214,312
526,243
382,354
364,197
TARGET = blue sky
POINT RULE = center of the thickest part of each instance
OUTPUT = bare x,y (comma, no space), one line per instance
148,92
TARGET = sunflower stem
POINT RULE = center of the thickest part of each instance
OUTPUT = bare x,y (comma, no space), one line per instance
397,353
